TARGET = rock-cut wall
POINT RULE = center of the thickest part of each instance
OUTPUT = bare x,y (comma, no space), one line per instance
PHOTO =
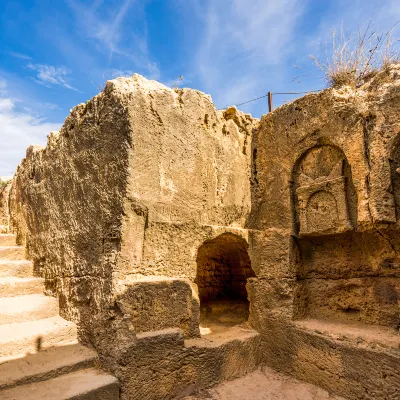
324,237
114,209
134,180
5,187
149,201
67,201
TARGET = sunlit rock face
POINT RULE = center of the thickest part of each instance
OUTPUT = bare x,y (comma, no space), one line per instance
192,244
324,235
5,187
114,209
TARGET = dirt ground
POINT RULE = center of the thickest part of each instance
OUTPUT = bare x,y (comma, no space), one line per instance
264,384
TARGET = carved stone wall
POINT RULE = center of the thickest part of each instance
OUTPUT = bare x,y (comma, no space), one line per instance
5,187
114,209
141,177
136,180
324,237
325,198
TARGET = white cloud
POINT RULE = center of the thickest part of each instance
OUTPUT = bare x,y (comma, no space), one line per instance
116,73
49,75
49,106
108,31
19,55
114,33
6,105
19,129
242,42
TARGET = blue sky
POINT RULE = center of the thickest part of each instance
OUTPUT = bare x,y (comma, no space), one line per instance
56,54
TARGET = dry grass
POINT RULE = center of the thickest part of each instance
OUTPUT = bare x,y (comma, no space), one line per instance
353,59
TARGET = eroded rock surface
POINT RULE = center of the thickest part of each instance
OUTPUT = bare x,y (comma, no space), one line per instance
5,187
150,209
113,211
324,235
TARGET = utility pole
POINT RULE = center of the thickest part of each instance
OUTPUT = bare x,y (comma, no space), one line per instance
270,102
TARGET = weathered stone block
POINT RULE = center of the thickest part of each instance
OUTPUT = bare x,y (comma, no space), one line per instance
323,207
270,253
5,187
156,303
226,357
369,300
155,367
270,299
350,367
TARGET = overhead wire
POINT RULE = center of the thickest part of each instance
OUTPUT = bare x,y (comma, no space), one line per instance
274,93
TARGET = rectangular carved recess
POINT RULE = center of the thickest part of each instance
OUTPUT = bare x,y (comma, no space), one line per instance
323,208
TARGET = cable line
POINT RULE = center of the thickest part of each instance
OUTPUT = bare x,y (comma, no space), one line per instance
283,93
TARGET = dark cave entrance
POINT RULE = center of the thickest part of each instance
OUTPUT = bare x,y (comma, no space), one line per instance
223,267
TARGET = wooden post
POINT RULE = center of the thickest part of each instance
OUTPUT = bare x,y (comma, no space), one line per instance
270,102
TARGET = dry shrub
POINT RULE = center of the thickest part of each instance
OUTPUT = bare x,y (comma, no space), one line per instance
353,59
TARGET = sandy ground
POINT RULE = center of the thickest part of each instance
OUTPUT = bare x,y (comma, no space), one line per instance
264,384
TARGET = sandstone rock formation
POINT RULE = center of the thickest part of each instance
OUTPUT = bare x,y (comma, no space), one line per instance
5,187
162,225
324,238
113,212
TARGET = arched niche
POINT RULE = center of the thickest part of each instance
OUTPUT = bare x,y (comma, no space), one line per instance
223,267
324,199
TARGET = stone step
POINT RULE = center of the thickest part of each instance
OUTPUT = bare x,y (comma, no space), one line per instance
26,337
212,359
90,384
7,239
47,364
356,333
19,268
27,308
11,286
12,252
225,355
214,338
348,358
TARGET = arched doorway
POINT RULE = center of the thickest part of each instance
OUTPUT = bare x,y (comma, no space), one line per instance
223,267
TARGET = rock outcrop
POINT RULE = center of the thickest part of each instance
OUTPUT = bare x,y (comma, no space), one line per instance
190,244
113,211
5,187
324,234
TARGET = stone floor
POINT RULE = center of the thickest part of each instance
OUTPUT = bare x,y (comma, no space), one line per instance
264,384
219,316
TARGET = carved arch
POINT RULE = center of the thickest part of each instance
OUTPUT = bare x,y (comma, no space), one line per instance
223,268
324,199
